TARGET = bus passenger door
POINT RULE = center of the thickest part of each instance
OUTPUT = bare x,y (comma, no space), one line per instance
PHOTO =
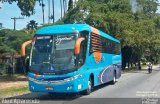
81,57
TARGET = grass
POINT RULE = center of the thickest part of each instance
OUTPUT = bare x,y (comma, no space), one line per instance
11,88
134,69
12,91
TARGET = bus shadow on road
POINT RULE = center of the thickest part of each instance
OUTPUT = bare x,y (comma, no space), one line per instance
103,86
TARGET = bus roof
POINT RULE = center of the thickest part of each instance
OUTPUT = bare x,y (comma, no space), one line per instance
70,28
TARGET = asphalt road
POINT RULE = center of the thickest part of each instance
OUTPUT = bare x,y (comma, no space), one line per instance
132,88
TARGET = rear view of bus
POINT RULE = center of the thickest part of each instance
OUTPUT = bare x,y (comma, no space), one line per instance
72,58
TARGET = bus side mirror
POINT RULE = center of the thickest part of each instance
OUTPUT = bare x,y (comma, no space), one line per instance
23,47
23,53
78,45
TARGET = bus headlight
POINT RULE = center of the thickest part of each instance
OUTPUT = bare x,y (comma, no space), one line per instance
73,78
56,81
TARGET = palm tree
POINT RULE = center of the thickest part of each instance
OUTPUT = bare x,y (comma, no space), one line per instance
64,6
32,25
52,17
70,5
43,5
49,11
61,5
75,3
1,25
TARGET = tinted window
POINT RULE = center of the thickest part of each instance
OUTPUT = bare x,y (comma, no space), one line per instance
83,50
104,45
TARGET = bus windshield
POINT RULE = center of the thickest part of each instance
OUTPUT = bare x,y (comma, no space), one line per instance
53,54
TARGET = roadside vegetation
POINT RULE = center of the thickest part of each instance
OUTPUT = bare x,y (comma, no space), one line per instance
13,85
135,23
13,91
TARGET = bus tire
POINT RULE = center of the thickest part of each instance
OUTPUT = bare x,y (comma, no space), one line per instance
90,87
114,78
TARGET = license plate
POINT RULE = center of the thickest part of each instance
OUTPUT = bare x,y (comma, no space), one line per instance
49,88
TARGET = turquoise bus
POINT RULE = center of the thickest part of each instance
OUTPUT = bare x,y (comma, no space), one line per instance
72,58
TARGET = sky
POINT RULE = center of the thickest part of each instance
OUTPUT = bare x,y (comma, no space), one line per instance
9,11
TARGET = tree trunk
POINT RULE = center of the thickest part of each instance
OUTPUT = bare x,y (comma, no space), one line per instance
49,11
61,8
139,65
53,10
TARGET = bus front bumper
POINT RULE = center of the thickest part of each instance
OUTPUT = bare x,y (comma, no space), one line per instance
75,85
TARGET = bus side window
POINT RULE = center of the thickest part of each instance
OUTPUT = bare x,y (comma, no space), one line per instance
83,50
82,55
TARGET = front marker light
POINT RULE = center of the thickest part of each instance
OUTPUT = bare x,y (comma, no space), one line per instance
79,86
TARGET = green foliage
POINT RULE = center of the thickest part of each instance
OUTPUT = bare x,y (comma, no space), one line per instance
148,6
70,5
32,25
138,30
10,41
26,6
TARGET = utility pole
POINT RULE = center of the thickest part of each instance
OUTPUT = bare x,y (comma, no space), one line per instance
15,18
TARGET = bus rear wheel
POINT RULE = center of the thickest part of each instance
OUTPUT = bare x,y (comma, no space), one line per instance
114,78
90,87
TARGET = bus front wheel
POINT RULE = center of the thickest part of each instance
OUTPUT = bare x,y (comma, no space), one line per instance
90,87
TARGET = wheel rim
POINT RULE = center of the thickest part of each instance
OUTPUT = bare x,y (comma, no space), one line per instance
89,86
114,78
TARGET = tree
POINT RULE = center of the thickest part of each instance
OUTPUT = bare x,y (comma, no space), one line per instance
61,6
26,6
41,3
10,43
32,25
136,30
1,25
52,16
70,5
148,6
64,6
